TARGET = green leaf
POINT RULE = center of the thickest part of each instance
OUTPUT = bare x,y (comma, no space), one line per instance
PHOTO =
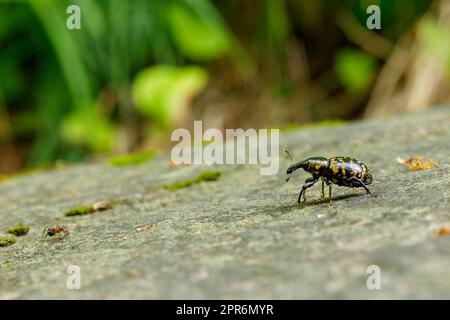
196,36
355,69
436,38
164,92
89,128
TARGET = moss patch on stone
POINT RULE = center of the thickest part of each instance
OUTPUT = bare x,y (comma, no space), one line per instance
295,126
7,241
6,265
89,209
205,176
47,166
79,211
208,176
131,159
19,230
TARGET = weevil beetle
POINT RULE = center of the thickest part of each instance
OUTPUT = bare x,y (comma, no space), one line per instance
342,171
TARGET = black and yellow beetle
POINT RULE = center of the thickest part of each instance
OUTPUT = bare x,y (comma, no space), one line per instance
342,171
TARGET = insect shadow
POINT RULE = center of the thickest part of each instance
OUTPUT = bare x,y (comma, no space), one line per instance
334,199
317,202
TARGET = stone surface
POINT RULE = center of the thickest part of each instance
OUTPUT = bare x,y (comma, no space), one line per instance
243,236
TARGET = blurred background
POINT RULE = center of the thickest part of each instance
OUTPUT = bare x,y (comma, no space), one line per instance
138,69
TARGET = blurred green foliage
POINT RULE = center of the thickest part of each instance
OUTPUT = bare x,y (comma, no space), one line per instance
131,159
89,127
197,31
163,91
135,65
54,79
436,39
355,69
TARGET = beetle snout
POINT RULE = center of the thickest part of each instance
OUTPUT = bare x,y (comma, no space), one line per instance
368,179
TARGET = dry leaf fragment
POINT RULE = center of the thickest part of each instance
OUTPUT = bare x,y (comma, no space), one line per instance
144,229
173,165
133,272
418,163
442,231
102,205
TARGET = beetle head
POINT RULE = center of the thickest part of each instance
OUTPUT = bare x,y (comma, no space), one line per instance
292,168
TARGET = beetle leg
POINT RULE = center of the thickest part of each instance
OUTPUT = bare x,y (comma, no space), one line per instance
358,183
329,194
308,183
322,195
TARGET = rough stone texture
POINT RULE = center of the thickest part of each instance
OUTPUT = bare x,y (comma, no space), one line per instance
243,236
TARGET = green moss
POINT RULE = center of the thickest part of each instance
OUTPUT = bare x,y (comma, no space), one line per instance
131,159
205,176
88,209
47,166
117,202
43,167
7,241
208,176
296,126
290,127
80,211
7,265
327,123
179,185
19,230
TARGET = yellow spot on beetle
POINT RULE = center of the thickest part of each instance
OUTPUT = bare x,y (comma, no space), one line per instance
334,167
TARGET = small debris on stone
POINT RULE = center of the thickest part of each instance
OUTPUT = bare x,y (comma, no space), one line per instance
332,213
418,163
134,272
102,205
442,231
145,229
173,165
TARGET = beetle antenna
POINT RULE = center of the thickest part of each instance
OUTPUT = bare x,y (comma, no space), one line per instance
288,155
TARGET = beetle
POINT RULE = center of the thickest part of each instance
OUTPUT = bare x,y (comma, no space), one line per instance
342,171
51,231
